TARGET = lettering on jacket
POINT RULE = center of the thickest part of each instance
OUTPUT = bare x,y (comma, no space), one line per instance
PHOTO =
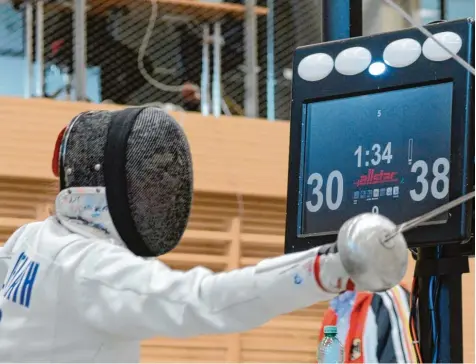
19,284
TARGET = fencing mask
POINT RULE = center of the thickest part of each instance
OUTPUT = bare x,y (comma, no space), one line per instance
142,158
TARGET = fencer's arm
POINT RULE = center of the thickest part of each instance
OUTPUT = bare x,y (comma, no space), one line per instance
136,298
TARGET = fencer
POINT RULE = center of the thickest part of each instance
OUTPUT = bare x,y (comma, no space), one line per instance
85,285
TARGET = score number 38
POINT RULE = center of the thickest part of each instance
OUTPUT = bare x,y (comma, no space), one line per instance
438,186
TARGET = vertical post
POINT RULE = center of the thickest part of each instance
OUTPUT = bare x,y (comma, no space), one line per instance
80,45
356,18
424,317
40,48
451,306
251,60
216,86
447,264
341,19
28,48
442,9
205,81
270,79
67,88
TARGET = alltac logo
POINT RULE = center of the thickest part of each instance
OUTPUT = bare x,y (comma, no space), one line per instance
372,178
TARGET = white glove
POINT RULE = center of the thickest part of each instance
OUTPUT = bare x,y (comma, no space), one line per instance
329,271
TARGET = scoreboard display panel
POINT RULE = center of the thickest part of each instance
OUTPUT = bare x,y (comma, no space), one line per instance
382,124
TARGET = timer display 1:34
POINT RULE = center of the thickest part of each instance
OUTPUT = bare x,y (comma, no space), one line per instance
377,153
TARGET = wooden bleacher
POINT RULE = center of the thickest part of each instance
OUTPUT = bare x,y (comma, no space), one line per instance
237,218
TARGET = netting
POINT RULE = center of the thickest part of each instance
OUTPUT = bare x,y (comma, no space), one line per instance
218,57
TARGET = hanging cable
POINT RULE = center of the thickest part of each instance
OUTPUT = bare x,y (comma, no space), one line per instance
431,308
435,317
143,48
413,319
141,55
417,25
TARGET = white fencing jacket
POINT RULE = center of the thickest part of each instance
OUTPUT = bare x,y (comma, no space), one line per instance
73,293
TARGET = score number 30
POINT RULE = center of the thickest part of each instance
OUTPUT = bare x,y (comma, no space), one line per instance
334,177
439,186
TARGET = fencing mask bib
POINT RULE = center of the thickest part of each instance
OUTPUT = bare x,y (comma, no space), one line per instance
142,158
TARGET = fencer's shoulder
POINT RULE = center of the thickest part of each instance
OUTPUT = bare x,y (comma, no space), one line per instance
96,250
49,237
99,263
21,236
86,258
92,254
53,240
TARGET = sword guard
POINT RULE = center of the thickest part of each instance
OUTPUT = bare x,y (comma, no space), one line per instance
372,263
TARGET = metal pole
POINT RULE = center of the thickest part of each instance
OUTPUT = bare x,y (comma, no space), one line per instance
251,61
216,87
447,264
270,79
204,87
336,19
80,49
40,48
341,19
356,18
28,48
442,9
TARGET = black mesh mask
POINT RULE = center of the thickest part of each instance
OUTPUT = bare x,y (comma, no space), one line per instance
142,158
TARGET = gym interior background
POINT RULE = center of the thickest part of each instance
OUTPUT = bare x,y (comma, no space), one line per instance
223,69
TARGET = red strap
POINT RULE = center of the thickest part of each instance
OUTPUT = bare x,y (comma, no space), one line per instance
317,273
354,343
56,154
329,319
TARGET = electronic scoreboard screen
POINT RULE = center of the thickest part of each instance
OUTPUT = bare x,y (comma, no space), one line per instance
392,166
382,124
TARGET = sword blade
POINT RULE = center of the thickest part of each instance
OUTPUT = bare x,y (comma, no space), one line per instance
410,224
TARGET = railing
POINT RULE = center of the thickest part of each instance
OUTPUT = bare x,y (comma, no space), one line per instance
230,57
71,32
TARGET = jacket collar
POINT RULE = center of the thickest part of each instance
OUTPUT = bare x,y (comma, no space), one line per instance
84,211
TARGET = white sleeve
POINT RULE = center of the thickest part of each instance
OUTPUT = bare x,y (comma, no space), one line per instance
136,298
